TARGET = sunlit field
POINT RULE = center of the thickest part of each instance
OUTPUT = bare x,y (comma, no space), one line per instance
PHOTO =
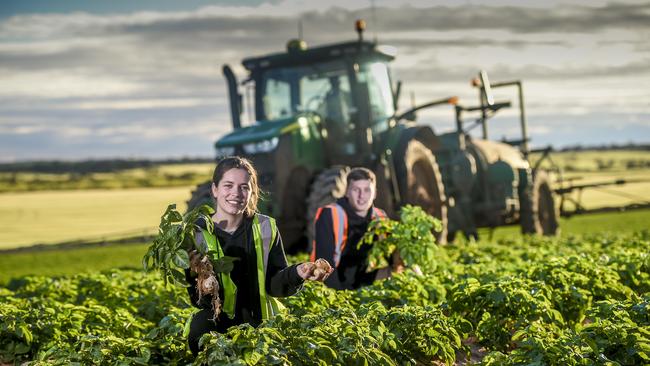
166,175
60,216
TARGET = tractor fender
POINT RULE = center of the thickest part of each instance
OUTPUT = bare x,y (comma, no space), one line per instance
418,177
424,134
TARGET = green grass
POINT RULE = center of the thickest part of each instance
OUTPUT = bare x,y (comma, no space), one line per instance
614,222
58,216
57,262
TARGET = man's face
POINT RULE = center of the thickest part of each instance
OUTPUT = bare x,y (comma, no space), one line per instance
360,195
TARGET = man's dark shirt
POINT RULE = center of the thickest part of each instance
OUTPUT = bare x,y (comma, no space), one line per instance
351,271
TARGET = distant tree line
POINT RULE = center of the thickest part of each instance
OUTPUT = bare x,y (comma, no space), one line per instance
92,166
605,147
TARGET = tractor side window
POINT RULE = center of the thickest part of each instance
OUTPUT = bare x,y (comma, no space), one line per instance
277,99
286,91
379,91
332,97
312,92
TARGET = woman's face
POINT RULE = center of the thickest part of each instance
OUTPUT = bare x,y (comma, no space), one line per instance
233,192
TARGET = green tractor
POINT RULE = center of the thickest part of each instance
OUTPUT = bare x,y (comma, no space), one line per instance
322,110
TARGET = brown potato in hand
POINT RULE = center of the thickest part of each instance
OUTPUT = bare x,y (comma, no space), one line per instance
315,271
323,265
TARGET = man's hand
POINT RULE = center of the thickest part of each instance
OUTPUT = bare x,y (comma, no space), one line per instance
315,271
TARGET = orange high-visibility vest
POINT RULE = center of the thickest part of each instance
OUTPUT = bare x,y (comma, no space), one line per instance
340,228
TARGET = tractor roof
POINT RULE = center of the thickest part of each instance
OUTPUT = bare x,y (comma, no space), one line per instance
297,56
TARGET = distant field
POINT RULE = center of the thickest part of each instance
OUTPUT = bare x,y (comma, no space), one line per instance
58,216
588,167
597,160
611,195
168,175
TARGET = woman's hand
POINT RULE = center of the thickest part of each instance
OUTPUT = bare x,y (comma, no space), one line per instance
315,271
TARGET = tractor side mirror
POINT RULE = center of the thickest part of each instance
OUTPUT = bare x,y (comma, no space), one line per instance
396,94
486,89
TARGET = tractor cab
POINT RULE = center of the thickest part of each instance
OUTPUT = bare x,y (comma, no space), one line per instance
345,88
314,112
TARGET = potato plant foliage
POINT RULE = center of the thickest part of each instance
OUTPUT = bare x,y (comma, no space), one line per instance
412,236
533,301
176,249
169,251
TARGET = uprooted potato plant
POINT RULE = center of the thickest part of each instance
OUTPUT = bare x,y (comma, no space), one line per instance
176,249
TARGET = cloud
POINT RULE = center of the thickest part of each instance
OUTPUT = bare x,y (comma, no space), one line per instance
156,76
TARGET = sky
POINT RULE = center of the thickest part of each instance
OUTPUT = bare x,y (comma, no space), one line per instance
142,79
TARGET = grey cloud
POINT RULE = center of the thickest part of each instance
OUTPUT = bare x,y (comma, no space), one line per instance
215,39
408,45
335,23
180,57
519,19
70,58
438,72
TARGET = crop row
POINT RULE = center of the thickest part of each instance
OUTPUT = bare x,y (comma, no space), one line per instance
574,301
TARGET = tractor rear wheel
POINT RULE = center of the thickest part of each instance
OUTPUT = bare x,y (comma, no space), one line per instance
538,213
201,195
328,186
421,183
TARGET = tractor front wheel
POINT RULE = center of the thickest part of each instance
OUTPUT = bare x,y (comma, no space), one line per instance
201,195
328,186
421,183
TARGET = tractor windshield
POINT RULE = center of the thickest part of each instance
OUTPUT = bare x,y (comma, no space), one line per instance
323,88
375,75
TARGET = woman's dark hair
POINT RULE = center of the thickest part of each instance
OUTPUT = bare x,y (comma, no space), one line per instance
236,162
356,174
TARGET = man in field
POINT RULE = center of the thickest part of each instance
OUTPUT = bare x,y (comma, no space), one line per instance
339,228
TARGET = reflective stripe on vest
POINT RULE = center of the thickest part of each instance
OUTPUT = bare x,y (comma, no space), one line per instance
340,229
229,287
265,232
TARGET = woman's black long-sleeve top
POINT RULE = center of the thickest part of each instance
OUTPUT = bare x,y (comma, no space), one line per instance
281,280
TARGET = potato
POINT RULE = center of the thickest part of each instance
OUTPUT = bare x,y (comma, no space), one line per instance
319,273
324,265
208,284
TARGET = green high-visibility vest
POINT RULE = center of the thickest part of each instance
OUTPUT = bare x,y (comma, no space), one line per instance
265,232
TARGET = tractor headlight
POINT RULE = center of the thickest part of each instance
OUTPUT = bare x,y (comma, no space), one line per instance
263,146
225,151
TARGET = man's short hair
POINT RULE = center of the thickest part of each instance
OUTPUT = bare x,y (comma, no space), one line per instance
361,174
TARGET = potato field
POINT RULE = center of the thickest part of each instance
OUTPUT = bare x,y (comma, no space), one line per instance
575,300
